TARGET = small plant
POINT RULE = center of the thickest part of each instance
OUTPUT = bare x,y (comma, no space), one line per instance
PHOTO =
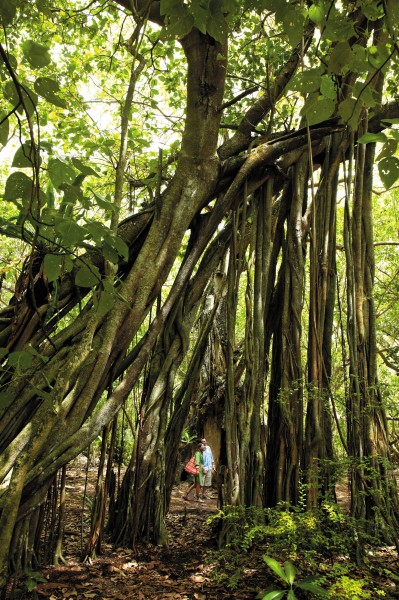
287,573
32,578
186,438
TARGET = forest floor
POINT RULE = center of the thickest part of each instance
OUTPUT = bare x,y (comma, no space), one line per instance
186,570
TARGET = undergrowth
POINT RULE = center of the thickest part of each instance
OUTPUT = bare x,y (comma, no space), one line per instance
323,543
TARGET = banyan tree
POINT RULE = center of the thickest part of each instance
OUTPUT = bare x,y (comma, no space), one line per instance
183,247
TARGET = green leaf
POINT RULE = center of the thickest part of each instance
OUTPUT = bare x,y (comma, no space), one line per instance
48,88
291,595
36,54
179,27
18,185
216,27
23,157
171,7
317,14
4,128
85,169
29,97
109,253
275,595
276,567
318,111
120,246
340,59
103,302
290,571
8,9
293,21
349,111
20,360
71,233
87,276
378,56
372,137
60,172
327,87
103,202
52,266
306,82
200,14
389,149
388,169
314,587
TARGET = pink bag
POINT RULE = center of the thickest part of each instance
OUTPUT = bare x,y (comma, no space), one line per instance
190,467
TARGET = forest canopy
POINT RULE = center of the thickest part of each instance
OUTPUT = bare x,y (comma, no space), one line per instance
199,230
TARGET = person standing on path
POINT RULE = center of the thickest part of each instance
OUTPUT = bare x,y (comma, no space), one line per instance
209,465
198,477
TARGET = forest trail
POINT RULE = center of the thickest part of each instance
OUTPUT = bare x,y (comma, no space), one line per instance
183,571
179,572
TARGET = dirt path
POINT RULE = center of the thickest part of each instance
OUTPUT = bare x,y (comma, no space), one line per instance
179,572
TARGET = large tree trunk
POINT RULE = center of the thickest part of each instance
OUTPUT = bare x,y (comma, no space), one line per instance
318,450
285,414
374,497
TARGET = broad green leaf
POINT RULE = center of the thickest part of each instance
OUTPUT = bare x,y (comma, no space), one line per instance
71,233
60,172
172,8
307,81
178,27
110,253
378,56
20,360
340,59
216,26
275,595
328,88
29,98
372,137
52,266
388,169
389,149
349,111
314,587
372,10
317,13
87,276
103,302
293,21
200,14
8,9
338,30
18,185
36,54
290,571
319,111
103,202
48,89
276,567
121,247
4,128
96,230
85,169
23,157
